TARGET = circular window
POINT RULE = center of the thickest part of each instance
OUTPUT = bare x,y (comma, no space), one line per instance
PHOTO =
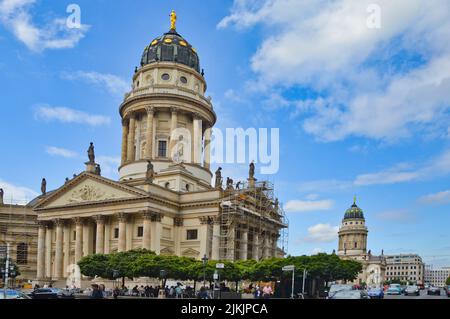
183,80
165,77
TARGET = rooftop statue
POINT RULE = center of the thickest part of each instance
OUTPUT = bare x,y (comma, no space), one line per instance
91,153
173,20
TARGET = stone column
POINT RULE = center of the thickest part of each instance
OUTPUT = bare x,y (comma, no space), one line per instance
146,240
274,244
125,131
48,251
156,233
122,232
207,157
173,127
131,154
149,137
41,251
59,249
215,249
78,239
66,248
107,246
100,234
256,246
86,238
243,252
266,247
197,139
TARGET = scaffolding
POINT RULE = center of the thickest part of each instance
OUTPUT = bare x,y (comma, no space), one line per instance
252,223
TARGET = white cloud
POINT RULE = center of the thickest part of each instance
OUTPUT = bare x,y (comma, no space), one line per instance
322,233
316,251
113,83
68,115
57,151
437,198
14,194
362,87
16,16
294,206
402,216
399,173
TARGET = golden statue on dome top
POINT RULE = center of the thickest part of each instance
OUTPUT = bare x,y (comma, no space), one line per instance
173,20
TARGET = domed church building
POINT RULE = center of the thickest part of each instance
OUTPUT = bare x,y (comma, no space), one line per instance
353,245
163,200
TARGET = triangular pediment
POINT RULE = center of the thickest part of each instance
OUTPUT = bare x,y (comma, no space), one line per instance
167,251
190,252
89,188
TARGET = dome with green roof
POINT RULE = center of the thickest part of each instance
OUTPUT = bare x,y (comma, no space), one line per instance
354,212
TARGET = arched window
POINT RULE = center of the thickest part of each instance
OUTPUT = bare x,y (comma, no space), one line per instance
356,244
22,254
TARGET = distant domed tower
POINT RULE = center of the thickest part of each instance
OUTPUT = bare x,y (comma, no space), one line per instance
353,232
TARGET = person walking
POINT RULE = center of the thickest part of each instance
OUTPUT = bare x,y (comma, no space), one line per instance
267,291
96,293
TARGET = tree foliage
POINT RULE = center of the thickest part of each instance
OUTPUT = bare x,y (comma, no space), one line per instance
144,263
447,282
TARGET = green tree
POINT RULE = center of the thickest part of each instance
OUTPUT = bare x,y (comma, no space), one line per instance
96,265
447,282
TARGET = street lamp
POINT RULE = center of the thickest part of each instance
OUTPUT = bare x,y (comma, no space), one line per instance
205,261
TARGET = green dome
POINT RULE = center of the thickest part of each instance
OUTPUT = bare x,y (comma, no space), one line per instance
171,47
354,212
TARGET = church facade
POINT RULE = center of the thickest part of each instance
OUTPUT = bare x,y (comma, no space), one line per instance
163,200
353,245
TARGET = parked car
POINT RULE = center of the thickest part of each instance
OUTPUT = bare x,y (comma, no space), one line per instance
394,289
13,294
412,290
434,291
44,293
338,287
376,293
448,291
350,294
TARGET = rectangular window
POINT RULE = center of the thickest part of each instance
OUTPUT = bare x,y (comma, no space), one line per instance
140,231
116,232
192,234
74,235
162,148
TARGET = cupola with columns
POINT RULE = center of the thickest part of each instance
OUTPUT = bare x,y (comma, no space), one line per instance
353,232
167,119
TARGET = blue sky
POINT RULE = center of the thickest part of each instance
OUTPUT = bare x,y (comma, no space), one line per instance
361,111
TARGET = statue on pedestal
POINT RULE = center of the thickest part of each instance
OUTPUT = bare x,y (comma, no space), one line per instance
251,172
1,196
229,184
91,153
150,174
98,170
43,186
218,183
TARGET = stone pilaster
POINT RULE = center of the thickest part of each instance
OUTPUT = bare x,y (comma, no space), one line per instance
173,127
207,157
125,131
131,152
149,138
197,123
156,232
66,261
215,246
255,252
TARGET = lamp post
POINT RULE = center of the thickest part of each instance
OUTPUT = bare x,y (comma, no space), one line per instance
205,261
